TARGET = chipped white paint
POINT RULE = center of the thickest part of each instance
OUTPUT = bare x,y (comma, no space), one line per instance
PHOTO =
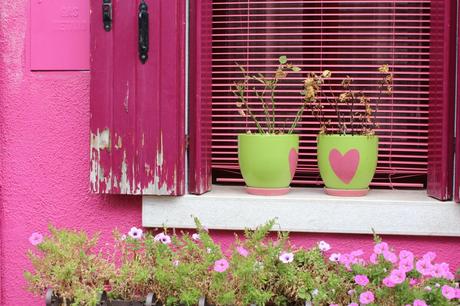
108,182
99,141
126,105
125,188
119,143
160,153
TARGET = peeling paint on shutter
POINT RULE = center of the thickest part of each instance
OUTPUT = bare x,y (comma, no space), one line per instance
137,110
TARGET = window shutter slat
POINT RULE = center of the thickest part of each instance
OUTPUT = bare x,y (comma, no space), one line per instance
457,138
137,110
442,99
200,179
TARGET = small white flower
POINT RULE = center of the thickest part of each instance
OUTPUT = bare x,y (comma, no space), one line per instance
196,237
208,250
315,292
334,257
427,288
437,285
176,263
324,246
135,233
286,257
123,237
163,238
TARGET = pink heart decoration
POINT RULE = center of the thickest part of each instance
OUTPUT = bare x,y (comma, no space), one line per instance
344,166
293,161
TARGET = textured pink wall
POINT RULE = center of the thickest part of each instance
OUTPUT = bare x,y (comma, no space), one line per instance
44,122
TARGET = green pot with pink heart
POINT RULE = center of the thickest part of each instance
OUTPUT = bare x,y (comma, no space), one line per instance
268,162
347,163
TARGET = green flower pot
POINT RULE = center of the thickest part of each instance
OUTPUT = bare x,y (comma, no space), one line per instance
347,163
268,162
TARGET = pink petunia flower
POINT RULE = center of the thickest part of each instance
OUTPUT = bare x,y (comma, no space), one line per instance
379,248
420,303
413,282
196,237
36,238
286,257
346,260
221,265
406,265
135,233
351,292
397,276
366,297
429,256
390,256
424,267
361,280
353,304
163,238
457,293
333,304
388,283
448,292
242,251
406,255
437,271
324,246
334,257
374,258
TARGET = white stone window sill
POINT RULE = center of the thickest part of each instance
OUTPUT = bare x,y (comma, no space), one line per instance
397,212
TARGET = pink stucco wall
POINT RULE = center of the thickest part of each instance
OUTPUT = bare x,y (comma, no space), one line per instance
44,122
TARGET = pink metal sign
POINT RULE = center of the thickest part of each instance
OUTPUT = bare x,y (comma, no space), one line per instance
59,33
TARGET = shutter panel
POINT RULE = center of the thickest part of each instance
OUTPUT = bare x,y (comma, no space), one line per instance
200,103
457,145
442,97
137,110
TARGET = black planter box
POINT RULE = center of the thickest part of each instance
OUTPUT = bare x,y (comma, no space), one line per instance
53,300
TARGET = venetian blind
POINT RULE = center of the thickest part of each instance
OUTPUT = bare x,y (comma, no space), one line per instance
347,37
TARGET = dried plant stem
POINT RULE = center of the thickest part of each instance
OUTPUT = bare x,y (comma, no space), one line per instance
353,98
250,113
266,111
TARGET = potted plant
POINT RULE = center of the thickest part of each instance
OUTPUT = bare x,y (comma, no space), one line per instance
347,146
267,158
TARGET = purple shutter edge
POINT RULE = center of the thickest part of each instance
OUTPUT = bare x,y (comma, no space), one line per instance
442,88
138,110
200,103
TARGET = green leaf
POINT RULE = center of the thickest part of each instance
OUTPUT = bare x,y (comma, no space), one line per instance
283,60
296,69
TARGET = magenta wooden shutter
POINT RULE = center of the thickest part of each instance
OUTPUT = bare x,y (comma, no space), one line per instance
348,37
137,110
457,138
200,107
442,98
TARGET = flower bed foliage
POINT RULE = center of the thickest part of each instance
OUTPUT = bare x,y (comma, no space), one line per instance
257,269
